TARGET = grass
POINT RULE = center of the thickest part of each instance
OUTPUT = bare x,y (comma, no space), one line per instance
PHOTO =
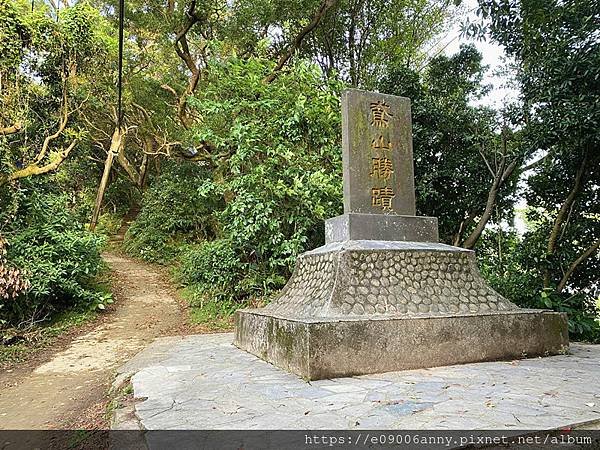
215,315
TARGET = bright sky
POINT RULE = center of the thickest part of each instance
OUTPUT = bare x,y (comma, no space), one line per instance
493,57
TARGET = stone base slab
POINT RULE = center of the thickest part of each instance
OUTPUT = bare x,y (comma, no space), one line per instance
381,227
329,348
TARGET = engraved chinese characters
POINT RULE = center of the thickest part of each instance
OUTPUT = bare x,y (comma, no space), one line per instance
380,113
377,144
382,166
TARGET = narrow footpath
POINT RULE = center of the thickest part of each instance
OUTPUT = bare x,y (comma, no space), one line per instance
67,388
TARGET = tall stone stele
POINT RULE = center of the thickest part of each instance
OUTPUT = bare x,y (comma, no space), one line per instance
382,294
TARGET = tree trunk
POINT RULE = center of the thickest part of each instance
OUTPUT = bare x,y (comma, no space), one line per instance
485,217
116,143
562,213
461,229
297,42
143,172
502,174
132,173
561,216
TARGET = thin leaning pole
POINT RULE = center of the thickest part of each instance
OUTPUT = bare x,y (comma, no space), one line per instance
120,69
118,136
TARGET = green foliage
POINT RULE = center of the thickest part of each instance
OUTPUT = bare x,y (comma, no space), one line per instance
583,314
274,175
217,273
59,258
360,40
513,266
277,160
150,245
557,61
212,264
239,173
499,254
176,209
108,224
13,34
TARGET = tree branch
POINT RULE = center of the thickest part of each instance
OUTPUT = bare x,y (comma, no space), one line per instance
183,51
486,162
325,6
560,217
485,217
133,174
62,123
4,131
536,163
168,88
585,255
35,169
508,171
562,213
463,226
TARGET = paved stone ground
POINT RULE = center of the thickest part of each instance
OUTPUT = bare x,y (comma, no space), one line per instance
204,382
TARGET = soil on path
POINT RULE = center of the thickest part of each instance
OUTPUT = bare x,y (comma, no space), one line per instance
68,387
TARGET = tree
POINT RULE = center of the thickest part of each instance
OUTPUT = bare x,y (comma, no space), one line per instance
248,207
47,68
360,40
43,66
557,59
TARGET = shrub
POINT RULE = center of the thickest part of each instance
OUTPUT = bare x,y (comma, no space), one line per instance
215,271
59,258
174,210
282,174
236,220
108,224
510,263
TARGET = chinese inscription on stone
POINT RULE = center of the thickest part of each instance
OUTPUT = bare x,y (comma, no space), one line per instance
377,144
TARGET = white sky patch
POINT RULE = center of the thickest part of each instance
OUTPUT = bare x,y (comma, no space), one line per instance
493,57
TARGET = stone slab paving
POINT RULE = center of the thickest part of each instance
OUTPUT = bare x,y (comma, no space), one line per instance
204,382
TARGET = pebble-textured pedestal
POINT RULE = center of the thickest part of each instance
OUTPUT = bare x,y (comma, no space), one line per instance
360,307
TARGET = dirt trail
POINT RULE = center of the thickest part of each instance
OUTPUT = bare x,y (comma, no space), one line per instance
72,383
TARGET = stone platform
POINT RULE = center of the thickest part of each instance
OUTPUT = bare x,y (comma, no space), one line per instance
204,382
367,306
330,348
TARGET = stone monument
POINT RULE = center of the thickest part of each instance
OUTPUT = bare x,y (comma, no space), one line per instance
382,294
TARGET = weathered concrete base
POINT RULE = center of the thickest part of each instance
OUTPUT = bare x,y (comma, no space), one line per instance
329,348
367,306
